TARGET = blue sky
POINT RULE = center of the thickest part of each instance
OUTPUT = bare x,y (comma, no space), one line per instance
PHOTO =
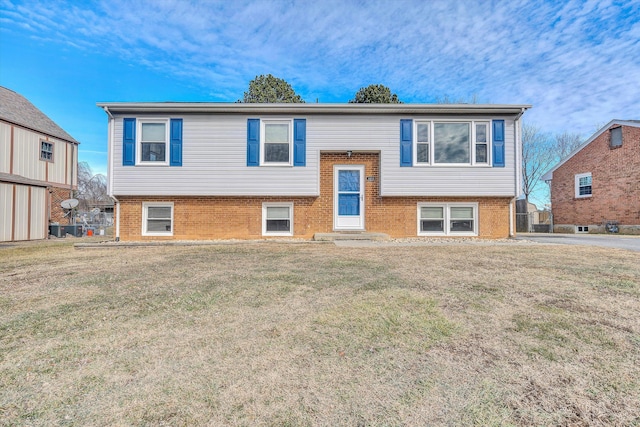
577,62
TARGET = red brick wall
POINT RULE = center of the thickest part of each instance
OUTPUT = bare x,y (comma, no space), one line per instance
241,217
57,195
615,183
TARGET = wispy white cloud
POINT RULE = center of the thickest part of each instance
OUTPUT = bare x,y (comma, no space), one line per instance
577,61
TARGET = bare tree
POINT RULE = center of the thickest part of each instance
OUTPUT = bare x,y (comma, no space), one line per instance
92,189
565,143
538,155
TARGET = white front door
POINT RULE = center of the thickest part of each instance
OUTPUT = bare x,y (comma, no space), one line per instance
348,197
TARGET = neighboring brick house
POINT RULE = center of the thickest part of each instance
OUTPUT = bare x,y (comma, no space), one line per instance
246,171
38,169
599,183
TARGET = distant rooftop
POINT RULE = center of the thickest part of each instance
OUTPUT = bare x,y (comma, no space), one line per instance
16,109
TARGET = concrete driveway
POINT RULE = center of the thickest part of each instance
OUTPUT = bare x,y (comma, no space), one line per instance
631,243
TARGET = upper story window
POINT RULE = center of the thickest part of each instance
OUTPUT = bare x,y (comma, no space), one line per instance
583,185
154,135
616,137
46,151
151,142
451,143
482,143
422,142
276,142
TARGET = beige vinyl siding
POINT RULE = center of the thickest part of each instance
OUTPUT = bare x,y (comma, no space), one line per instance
24,221
21,224
214,161
27,163
26,155
38,213
6,209
57,167
5,148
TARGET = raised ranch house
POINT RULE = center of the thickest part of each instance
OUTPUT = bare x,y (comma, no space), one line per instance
247,171
597,187
38,169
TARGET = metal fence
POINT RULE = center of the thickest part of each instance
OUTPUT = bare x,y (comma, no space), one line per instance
95,220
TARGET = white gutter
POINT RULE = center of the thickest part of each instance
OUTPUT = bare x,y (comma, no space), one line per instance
311,108
111,131
518,168
109,150
518,141
511,233
117,206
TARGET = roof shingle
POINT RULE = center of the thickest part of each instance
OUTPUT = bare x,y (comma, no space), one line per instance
16,109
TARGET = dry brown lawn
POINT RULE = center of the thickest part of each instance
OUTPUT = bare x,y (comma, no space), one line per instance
281,334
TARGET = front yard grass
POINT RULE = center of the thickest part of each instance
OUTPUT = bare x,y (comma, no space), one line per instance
313,334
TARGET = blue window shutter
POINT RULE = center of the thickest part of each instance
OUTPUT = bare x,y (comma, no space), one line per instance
129,142
299,142
253,142
498,144
406,142
175,140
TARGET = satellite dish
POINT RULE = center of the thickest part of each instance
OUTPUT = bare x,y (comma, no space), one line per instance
95,211
69,203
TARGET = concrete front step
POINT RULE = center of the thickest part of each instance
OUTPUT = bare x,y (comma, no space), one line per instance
353,235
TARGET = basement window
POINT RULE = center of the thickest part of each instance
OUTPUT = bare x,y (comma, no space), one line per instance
157,219
277,219
447,219
582,228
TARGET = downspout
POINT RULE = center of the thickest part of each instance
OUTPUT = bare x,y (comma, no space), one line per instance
110,170
73,162
518,168
550,209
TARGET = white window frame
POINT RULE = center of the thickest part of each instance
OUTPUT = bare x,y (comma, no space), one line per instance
447,219
475,143
472,143
267,205
577,185
263,134
139,141
145,206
